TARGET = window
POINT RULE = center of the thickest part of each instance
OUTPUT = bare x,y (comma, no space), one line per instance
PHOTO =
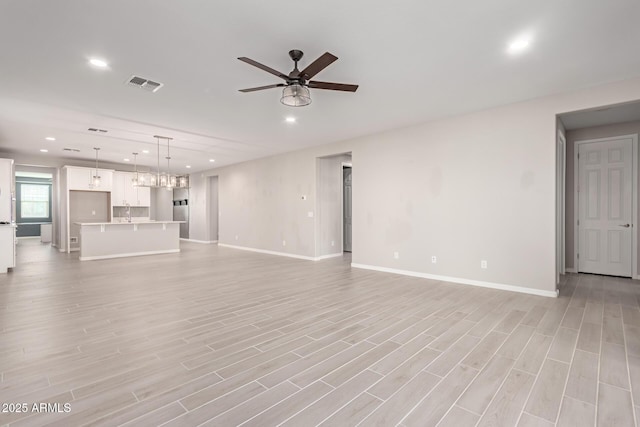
34,201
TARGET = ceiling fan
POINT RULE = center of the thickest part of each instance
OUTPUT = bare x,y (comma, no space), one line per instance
297,83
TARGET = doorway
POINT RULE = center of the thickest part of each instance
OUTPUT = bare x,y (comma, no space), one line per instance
561,154
347,223
606,204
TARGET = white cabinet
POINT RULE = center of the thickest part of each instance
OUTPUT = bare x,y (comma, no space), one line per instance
144,196
7,247
118,197
124,193
7,190
81,178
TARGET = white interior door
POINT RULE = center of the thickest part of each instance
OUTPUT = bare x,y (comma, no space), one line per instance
605,207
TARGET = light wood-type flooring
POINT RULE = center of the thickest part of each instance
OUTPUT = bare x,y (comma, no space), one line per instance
220,337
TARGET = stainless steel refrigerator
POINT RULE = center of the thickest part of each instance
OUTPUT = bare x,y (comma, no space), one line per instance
181,210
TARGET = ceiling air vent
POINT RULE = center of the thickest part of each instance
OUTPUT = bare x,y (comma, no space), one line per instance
74,150
97,130
142,83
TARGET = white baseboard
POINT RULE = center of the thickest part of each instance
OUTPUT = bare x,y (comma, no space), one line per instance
264,251
92,258
337,254
513,288
570,270
205,242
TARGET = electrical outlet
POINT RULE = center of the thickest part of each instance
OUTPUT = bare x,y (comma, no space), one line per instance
434,259
310,214
304,197
483,263
333,243
236,237
284,243
396,255
93,212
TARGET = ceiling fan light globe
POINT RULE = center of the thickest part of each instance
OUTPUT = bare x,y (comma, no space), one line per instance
296,95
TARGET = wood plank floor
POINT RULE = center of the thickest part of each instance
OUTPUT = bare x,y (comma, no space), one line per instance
219,337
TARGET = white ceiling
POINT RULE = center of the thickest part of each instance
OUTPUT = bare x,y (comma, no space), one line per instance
414,61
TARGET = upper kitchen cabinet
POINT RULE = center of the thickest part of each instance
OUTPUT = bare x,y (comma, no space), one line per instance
82,178
124,193
144,196
7,191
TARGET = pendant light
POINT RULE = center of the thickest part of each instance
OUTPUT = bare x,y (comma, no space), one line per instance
136,177
161,179
170,179
95,179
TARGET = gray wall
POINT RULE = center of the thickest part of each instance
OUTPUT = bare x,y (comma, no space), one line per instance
329,204
468,188
82,206
161,205
581,135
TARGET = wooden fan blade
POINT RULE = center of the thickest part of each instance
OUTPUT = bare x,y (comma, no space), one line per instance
318,65
253,89
332,86
263,67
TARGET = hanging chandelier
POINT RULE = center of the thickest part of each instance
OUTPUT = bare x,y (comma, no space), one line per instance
161,179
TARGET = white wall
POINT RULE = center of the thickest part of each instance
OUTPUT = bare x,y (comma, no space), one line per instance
213,209
261,203
582,135
199,208
467,188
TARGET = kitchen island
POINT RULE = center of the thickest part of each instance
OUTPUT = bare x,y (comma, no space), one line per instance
102,240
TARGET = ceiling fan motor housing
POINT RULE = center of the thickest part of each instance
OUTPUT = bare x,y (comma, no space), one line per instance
296,54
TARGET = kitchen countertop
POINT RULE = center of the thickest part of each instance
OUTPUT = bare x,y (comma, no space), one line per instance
129,223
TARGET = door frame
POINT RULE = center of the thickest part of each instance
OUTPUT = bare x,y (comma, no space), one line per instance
342,166
561,202
634,197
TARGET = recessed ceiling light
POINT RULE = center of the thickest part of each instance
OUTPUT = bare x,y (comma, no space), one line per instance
212,160
50,138
519,45
126,160
145,151
44,150
290,119
98,62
